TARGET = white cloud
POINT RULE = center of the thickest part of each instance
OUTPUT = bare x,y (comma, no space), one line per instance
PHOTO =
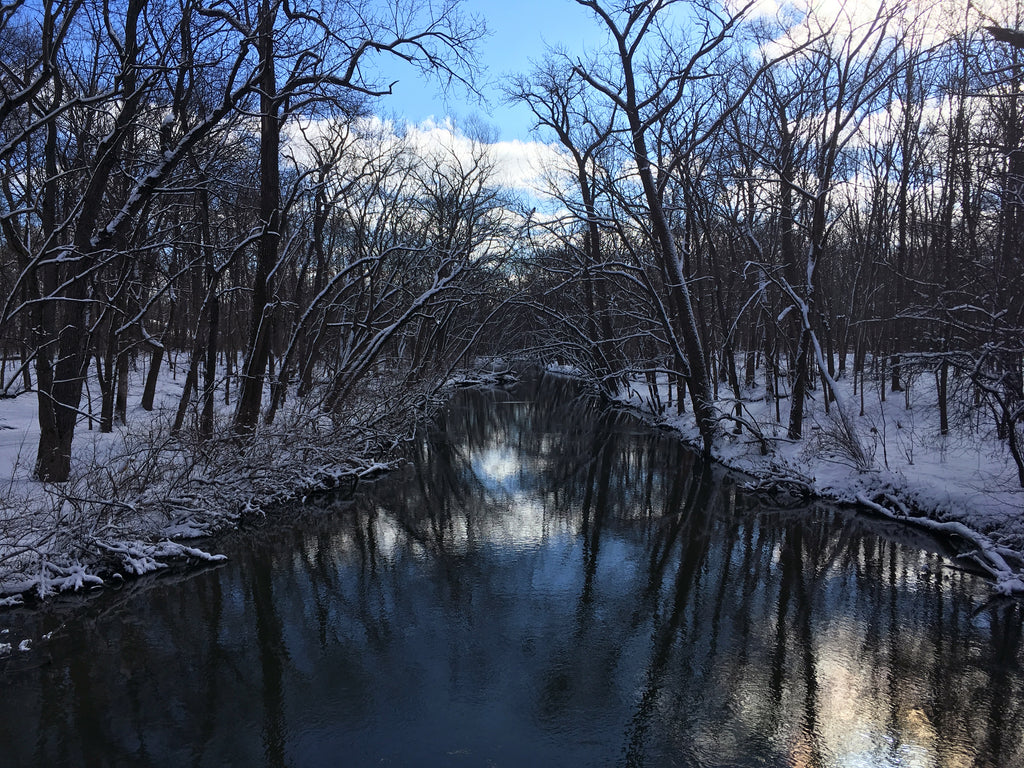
924,22
517,165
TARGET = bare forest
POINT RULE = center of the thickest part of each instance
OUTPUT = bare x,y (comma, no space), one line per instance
751,207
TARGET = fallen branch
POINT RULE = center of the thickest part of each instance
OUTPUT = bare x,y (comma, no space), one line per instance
985,553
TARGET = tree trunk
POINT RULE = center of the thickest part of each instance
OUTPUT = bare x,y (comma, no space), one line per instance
153,375
210,366
106,372
943,393
206,417
121,401
186,394
693,349
250,397
799,390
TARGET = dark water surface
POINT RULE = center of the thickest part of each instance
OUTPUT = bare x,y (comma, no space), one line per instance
543,585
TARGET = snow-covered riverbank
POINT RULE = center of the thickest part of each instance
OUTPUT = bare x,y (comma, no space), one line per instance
139,495
962,484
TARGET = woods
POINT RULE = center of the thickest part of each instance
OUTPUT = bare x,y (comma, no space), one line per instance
753,205
671,413
791,201
159,198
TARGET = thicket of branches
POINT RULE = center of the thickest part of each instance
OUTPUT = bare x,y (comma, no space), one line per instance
759,207
201,180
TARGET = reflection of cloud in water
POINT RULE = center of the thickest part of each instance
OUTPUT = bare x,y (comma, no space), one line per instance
527,525
856,726
496,467
521,524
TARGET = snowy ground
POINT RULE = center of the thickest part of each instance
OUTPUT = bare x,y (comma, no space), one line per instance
963,484
137,494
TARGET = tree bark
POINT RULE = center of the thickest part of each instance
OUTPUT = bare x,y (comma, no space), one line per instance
250,396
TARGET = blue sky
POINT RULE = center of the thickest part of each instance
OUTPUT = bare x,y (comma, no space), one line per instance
518,30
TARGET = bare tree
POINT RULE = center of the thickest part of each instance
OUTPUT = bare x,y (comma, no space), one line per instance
560,103
846,70
645,76
325,52
85,230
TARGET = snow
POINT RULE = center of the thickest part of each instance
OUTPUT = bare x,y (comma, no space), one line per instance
985,554
963,484
136,493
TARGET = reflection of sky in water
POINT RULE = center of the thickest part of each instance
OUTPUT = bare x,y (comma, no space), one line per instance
853,725
498,468
457,614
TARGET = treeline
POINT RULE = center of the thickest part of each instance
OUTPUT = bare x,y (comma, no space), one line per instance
755,206
777,203
201,179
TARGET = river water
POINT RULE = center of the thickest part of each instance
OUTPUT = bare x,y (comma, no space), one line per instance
544,584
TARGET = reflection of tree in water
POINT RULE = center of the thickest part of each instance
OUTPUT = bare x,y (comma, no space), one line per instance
652,611
586,467
754,605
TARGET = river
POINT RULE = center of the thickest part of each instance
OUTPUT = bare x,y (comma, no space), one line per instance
543,584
